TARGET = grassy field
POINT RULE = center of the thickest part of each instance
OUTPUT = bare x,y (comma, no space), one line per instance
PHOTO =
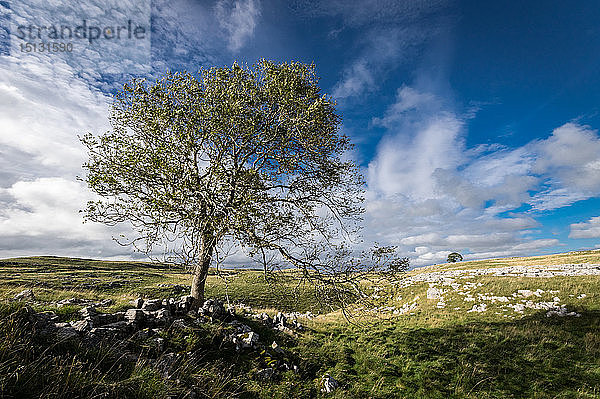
401,345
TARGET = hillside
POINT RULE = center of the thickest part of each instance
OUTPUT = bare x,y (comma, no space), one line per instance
513,327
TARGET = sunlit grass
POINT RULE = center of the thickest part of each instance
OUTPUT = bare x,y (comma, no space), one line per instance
427,352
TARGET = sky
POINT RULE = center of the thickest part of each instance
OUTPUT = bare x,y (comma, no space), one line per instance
475,123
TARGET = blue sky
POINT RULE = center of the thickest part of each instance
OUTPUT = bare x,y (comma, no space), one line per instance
475,123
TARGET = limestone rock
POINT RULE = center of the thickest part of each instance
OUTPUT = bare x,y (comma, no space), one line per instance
152,304
250,338
104,318
88,312
169,304
82,325
265,318
185,303
562,312
214,309
178,324
277,349
134,316
279,319
328,383
478,308
434,293
162,316
137,303
67,332
42,318
104,303
240,327
245,340
25,295
73,301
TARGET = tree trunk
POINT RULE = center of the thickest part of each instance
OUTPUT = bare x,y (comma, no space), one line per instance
200,274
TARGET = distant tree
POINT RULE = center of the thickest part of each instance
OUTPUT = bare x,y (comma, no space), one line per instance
454,257
245,156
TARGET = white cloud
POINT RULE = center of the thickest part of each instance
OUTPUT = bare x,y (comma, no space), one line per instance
47,206
589,229
571,154
430,194
406,164
43,111
357,79
423,139
555,198
568,162
42,216
392,32
570,158
381,51
536,244
238,18
116,37
512,223
408,100
44,107
185,35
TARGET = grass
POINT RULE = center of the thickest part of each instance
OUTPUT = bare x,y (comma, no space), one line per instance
427,352
531,357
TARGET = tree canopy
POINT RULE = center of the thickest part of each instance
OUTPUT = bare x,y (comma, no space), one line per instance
246,155
454,257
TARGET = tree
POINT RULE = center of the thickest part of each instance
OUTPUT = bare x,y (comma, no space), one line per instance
454,257
246,155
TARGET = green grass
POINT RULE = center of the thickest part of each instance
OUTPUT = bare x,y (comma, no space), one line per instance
425,353
531,357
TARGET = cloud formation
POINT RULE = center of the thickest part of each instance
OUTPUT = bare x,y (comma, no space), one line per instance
431,195
238,19
391,33
43,109
589,229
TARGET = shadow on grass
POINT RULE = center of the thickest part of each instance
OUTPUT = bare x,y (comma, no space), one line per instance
536,356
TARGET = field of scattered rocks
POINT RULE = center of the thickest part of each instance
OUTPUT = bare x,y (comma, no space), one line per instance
465,287
518,327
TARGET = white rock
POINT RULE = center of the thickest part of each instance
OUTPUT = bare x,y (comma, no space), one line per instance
329,384
246,340
434,293
24,295
482,307
561,312
277,348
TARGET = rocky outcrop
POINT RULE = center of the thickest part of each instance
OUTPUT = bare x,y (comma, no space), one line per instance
150,319
215,310
541,271
286,322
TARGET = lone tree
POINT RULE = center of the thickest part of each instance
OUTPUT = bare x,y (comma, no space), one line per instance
244,155
454,257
